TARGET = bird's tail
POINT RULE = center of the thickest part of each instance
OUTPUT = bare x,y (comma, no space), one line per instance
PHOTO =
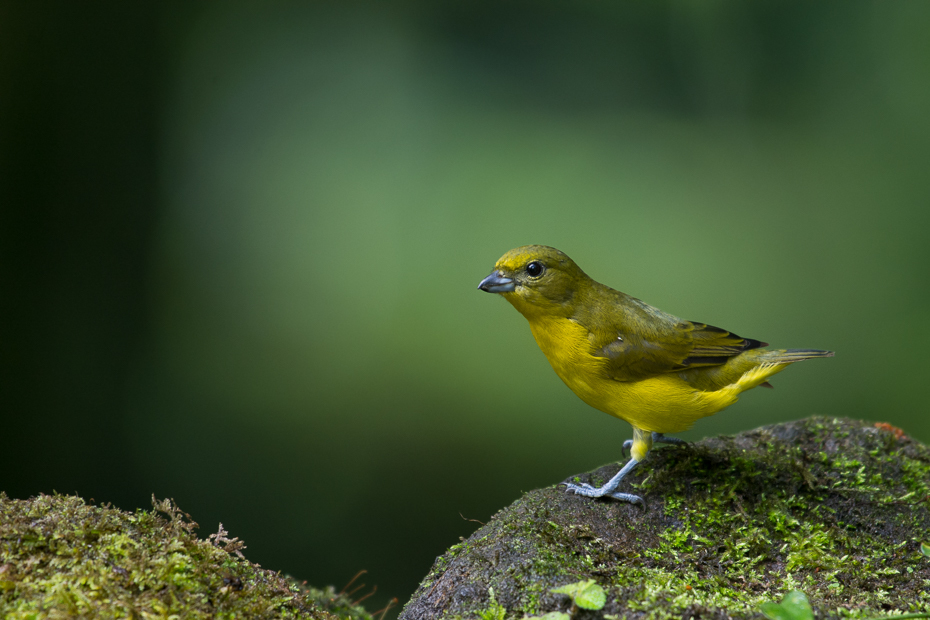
789,356
769,363
748,369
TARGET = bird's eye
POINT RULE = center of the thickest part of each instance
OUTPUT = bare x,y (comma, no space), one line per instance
535,269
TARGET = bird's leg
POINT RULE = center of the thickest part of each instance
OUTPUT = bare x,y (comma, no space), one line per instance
656,438
642,442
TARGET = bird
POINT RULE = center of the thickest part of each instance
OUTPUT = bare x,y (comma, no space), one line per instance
628,359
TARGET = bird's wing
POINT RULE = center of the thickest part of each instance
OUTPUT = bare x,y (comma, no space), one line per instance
640,341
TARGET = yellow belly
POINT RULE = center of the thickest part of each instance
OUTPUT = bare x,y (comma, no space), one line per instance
664,404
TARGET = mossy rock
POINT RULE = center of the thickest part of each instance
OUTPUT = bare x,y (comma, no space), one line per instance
63,558
832,507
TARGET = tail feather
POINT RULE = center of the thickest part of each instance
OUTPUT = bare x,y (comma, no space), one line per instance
789,356
748,369
774,362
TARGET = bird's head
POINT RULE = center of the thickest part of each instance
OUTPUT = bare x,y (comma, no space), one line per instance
537,280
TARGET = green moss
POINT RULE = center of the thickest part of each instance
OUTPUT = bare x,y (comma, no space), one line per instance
60,557
832,507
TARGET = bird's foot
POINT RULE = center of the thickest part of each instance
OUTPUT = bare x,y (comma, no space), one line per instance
589,491
660,438
609,489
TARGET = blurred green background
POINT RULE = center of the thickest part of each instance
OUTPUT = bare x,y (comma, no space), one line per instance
241,243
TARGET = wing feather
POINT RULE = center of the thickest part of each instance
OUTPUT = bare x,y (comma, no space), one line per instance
640,341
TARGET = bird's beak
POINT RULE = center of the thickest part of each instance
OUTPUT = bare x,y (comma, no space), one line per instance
496,283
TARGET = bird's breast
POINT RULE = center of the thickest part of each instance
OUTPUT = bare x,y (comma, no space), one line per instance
566,346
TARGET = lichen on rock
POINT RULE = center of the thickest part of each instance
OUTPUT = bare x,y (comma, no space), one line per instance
61,557
833,507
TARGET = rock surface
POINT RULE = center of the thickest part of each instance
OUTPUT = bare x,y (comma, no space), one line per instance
832,507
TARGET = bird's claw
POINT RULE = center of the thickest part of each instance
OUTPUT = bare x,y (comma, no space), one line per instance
587,490
627,445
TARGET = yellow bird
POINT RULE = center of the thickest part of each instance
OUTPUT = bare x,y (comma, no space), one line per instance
626,358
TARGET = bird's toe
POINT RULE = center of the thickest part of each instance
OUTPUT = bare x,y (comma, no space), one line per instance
629,497
583,489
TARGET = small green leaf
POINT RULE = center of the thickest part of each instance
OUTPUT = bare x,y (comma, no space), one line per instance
552,615
585,594
793,607
592,597
493,613
495,610
925,549
570,589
